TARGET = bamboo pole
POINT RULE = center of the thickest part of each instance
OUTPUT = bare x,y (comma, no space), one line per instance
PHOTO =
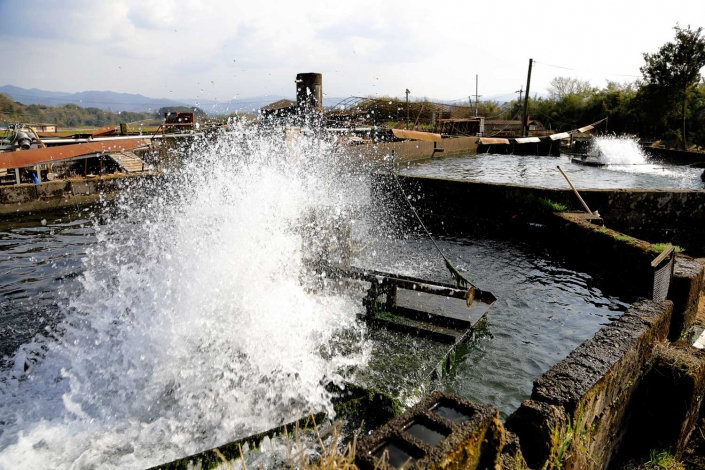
575,190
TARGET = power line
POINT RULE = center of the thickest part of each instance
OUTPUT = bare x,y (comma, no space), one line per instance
586,71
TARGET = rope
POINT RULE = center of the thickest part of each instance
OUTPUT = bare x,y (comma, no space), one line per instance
460,280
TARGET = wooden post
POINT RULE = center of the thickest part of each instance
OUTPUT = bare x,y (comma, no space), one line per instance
39,173
17,176
575,191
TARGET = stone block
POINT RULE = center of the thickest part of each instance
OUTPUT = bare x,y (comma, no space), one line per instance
440,432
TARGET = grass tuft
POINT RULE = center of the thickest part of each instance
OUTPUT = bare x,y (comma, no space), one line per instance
553,206
659,247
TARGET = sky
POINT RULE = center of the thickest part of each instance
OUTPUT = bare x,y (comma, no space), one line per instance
233,49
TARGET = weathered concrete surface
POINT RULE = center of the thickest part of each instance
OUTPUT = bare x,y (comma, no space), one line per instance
669,401
415,149
674,156
593,387
677,216
686,284
534,423
473,444
511,457
619,258
694,455
51,195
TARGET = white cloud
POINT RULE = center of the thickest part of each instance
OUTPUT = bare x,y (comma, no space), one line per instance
175,49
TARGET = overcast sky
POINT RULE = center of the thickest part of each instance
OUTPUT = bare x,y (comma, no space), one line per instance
226,49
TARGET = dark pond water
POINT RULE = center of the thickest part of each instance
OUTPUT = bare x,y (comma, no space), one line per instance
40,258
544,310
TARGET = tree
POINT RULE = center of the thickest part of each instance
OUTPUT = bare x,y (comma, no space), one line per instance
675,69
560,87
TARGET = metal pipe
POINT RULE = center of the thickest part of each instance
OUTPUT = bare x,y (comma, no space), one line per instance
575,190
107,139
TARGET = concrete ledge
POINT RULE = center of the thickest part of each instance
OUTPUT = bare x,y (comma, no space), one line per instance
592,388
473,441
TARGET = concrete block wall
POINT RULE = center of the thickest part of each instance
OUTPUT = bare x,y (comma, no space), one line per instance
51,195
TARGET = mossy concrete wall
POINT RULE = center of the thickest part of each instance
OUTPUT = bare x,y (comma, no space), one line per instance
676,216
578,413
51,195
626,260
415,149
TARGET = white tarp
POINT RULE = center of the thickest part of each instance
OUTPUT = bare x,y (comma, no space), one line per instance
528,140
562,135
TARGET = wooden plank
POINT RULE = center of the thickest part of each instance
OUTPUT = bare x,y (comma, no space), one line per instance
493,141
664,254
448,307
416,135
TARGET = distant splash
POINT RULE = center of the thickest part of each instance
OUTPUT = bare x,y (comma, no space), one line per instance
623,153
618,150
192,327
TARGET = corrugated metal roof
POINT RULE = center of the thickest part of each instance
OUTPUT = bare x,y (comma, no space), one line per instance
281,104
51,154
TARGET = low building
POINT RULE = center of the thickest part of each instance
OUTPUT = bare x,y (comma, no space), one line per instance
504,125
44,127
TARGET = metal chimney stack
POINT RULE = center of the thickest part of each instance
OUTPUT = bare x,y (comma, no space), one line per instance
309,91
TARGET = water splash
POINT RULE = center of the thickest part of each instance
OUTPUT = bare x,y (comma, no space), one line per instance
618,150
623,153
192,327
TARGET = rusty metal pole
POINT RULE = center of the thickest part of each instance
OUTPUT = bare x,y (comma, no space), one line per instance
525,126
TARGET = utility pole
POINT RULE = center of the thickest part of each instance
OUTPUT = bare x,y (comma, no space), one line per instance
476,95
406,125
521,93
524,125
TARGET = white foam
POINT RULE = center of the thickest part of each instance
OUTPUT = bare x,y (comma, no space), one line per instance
623,153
